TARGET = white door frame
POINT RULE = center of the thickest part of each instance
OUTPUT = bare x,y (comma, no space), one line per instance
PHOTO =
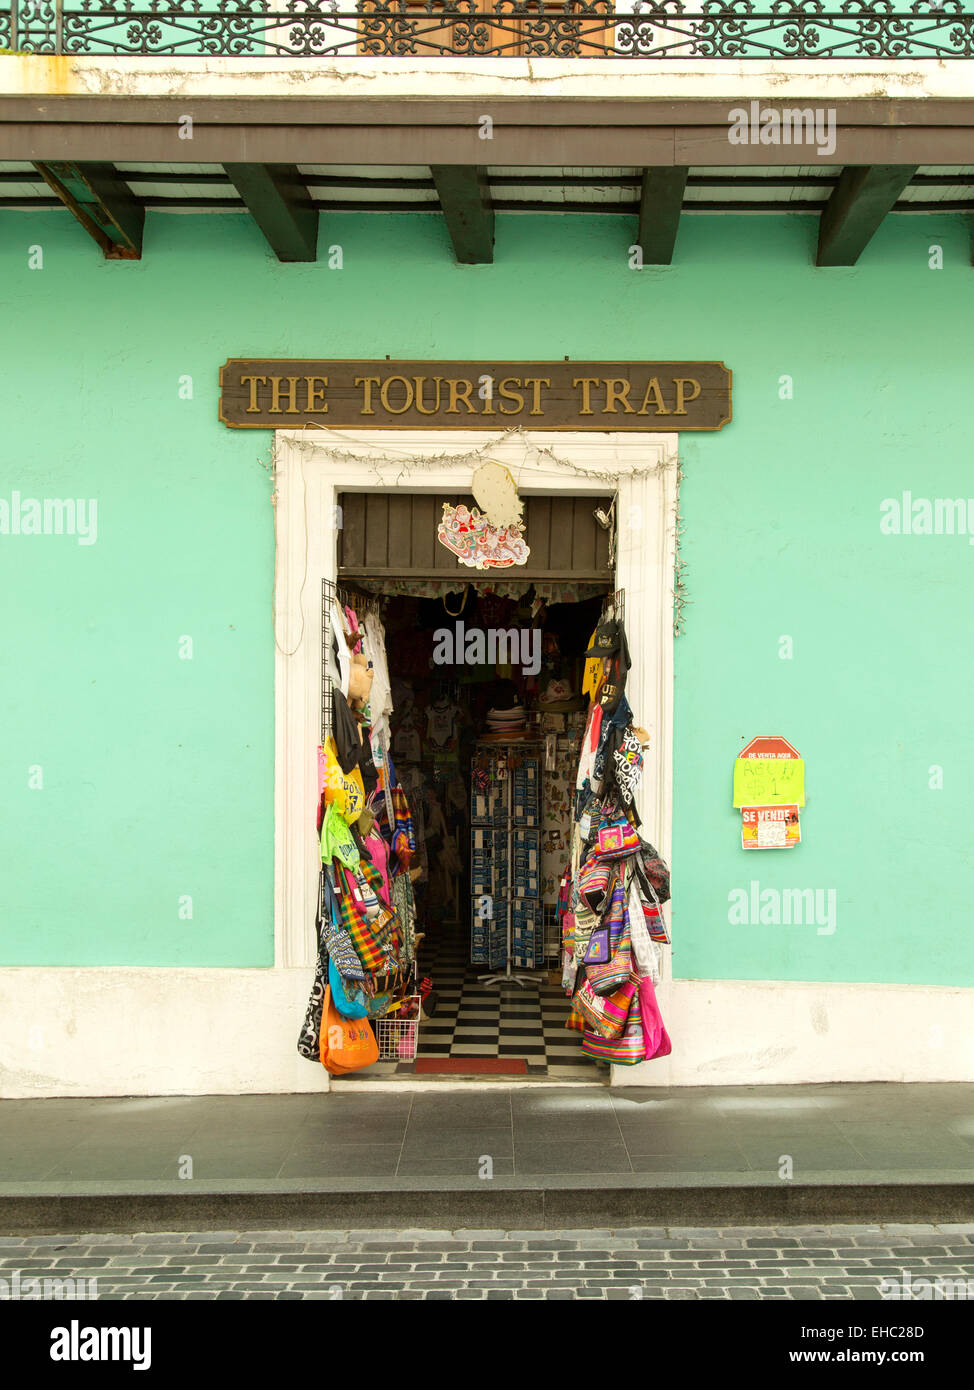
313,467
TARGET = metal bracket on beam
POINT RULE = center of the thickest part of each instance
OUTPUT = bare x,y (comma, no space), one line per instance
464,196
660,204
102,202
859,202
278,200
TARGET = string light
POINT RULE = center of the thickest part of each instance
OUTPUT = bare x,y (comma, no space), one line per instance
423,462
412,463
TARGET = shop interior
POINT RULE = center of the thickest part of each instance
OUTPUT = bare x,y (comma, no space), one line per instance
460,727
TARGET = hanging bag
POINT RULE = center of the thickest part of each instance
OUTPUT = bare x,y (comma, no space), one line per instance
608,976
653,872
403,837
350,1000
594,884
345,1044
656,1040
606,1015
369,937
625,1050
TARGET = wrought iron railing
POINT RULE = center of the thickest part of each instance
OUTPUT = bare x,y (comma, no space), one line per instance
782,30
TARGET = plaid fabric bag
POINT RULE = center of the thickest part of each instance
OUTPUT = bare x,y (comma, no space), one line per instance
368,938
334,940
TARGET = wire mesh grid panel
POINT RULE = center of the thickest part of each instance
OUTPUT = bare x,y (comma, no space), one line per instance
398,1034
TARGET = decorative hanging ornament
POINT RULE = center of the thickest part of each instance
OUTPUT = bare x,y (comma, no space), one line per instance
495,490
479,545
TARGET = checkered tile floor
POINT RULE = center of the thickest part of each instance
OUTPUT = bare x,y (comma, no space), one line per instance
474,1019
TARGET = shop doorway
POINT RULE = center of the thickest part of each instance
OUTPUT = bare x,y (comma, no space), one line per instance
329,495
487,752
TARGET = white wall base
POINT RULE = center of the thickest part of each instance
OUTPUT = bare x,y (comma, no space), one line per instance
762,1033
124,1031
133,1031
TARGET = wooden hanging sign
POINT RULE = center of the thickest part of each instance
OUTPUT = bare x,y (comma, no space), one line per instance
261,394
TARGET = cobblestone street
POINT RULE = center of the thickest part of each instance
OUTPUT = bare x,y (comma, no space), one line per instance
740,1263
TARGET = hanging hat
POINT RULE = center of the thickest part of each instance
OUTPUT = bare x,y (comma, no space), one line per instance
610,637
558,697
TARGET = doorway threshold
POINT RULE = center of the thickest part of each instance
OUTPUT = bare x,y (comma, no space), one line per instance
411,1081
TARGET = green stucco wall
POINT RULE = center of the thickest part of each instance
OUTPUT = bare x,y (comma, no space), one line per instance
158,771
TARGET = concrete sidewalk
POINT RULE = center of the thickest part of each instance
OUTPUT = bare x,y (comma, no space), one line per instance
534,1157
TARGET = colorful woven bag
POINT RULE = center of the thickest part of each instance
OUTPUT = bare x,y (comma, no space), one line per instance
606,1015
594,884
608,976
403,838
625,1050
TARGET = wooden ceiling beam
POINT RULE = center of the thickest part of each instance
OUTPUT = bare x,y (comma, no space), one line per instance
858,203
102,202
464,196
278,200
660,205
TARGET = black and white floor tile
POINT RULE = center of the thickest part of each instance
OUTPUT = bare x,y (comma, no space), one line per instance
475,1019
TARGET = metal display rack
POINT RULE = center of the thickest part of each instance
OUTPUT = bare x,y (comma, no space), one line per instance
500,822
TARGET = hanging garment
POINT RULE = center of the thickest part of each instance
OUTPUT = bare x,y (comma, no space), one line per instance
443,730
374,647
590,743
340,646
592,677
378,852
348,744
407,744
347,792
352,628
403,900
380,699
337,840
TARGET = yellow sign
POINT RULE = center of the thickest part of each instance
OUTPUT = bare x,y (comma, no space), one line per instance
769,781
